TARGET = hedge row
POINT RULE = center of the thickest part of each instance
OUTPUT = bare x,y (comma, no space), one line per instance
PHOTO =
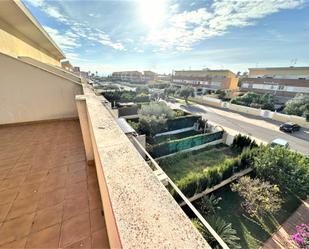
174,146
198,182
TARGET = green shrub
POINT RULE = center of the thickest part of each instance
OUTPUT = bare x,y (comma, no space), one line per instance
240,142
298,106
158,109
189,185
255,100
288,169
142,97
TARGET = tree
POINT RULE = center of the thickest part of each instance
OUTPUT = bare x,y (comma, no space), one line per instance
142,89
258,197
151,125
171,90
222,228
142,97
299,105
186,92
158,109
288,169
208,205
255,100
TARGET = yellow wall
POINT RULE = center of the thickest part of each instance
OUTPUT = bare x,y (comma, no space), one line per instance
233,83
15,44
204,73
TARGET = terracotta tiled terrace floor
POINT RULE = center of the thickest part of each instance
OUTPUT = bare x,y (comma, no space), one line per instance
49,197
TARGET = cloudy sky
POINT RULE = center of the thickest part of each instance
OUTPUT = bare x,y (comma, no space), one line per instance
162,35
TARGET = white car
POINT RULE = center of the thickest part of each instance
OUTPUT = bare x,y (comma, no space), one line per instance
279,142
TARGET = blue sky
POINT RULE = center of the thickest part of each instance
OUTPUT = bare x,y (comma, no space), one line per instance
162,35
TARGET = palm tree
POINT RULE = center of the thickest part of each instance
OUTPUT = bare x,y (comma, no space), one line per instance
223,229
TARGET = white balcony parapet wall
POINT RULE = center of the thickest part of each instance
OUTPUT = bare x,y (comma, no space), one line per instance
139,211
29,93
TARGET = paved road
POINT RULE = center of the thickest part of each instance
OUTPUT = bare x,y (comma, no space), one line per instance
264,129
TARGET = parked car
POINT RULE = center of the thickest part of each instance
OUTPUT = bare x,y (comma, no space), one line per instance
289,127
279,142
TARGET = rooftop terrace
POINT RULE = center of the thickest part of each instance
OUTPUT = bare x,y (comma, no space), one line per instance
49,197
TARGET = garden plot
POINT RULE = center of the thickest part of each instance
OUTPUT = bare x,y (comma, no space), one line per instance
181,165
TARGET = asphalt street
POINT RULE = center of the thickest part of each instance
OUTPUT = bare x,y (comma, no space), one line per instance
262,128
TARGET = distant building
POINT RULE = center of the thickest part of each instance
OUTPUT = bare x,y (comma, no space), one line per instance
67,65
150,76
165,77
130,76
84,74
76,69
207,79
284,82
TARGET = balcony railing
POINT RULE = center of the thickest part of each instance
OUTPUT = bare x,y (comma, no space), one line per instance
138,209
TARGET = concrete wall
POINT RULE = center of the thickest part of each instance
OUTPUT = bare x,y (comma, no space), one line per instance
290,118
207,101
51,68
15,44
28,93
253,111
245,109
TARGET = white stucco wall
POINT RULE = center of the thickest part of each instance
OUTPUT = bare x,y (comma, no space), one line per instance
28,93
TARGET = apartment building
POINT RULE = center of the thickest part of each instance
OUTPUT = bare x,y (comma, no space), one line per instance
67,65
150,76
284,82
135,76
69,176
129,76
206,79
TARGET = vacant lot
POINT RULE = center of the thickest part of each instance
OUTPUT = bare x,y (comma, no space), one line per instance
181,165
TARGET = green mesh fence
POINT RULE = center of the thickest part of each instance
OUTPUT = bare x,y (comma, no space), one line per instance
128,110
182,122
174,146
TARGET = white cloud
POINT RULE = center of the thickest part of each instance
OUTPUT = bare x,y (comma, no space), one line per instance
55,13
36,3
182,30
75,31
66,41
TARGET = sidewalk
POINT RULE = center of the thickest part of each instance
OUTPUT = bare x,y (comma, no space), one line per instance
280,239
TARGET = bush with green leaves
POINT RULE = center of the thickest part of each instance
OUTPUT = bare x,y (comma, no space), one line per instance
298,106
151,124
127,96
208,205
157,109
255,100
142,89
186,92
240,142
142,97
170,91
288,169
259,197
222,228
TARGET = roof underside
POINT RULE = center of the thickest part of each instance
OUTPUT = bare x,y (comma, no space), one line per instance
14,13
